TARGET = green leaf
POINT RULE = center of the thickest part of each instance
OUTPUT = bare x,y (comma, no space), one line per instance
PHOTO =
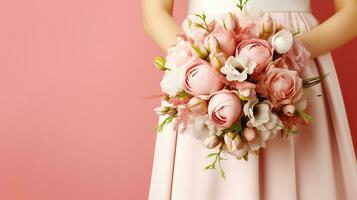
305,116
182,95
211,155
313,81
167,120
160,63
236,128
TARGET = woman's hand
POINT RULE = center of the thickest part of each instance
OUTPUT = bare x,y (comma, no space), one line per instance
158,22
334,32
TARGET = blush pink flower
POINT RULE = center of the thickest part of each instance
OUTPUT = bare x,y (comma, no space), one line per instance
224,109
226,40
298,57
179,54
257,52
248,31
197,106
201,78
281,86
259,73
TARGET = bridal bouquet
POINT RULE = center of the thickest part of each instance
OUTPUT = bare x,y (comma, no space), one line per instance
235,83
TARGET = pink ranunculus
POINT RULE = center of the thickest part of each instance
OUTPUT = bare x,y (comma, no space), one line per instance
257,51
281,86
224,108
226,40
179,54
298,57
201,78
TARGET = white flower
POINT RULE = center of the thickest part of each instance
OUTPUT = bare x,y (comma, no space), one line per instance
196,127
235,145
172,81
211,142
282,41
237,68
262,118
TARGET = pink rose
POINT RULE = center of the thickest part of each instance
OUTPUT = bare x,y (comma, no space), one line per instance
257,52
260,72
201,78
298,57
224,109
179,54
226,40
281,86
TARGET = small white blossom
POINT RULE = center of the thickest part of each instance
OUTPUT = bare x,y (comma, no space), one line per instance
237,68
172,81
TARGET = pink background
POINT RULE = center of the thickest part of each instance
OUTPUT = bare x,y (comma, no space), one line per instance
73,124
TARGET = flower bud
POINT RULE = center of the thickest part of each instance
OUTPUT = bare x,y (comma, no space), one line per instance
172,112
199,50
249,134
233,141
211,43
229,22
217,60
160,63
289,110
268,24
161,110
197,106
282,41
244,92
211,141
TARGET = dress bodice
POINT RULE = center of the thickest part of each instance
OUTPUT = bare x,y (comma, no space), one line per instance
220,6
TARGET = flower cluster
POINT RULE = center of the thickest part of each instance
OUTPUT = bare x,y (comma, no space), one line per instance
234,83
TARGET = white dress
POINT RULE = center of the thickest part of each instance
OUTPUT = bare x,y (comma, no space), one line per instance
317,164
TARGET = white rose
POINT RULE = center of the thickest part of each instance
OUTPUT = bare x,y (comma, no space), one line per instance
282,41
172,81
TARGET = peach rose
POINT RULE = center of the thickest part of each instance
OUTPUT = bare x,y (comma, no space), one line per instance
281,86
201,78
224,109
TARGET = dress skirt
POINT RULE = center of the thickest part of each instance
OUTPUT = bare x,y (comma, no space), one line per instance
317,164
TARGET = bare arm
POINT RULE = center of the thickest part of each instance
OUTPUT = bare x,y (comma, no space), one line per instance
158,22
334,32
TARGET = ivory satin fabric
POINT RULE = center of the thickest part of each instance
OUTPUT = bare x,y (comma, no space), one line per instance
317,164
